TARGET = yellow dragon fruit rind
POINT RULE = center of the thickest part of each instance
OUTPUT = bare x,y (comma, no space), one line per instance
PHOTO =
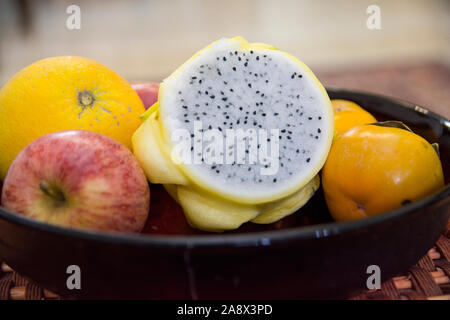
200,181
260,211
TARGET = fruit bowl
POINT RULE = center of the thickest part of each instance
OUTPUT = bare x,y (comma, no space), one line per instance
305,255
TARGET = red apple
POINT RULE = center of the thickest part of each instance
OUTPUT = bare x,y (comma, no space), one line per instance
147,91
78,179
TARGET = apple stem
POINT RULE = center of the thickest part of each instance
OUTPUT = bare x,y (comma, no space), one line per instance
53,193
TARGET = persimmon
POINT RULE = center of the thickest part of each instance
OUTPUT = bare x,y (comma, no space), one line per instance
348,114
372,169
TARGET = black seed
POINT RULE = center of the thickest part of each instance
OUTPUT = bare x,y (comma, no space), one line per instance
251,51
224,59
308,160
245,64
224,99
297,150
234,68
185,107
212,96
257,57
309,118
249,85
319,131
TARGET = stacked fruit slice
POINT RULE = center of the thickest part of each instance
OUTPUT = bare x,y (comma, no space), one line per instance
239,133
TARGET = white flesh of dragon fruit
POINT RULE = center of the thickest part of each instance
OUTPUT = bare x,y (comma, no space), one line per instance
227,87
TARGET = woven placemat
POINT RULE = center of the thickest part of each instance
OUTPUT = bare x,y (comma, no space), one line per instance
428,279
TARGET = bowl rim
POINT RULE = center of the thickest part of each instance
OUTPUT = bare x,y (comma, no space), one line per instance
250,239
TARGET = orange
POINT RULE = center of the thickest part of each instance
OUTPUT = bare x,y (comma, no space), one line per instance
64,93
373,169
348,114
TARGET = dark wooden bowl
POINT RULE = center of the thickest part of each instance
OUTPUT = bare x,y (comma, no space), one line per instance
306,255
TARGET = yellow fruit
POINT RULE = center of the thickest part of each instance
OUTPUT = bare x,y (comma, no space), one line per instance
373,169
64,93
348,114
202,209
209,203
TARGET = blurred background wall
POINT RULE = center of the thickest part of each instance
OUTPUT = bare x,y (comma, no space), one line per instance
147,39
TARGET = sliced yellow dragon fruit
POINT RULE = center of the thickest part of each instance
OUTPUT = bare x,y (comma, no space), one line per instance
239,133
